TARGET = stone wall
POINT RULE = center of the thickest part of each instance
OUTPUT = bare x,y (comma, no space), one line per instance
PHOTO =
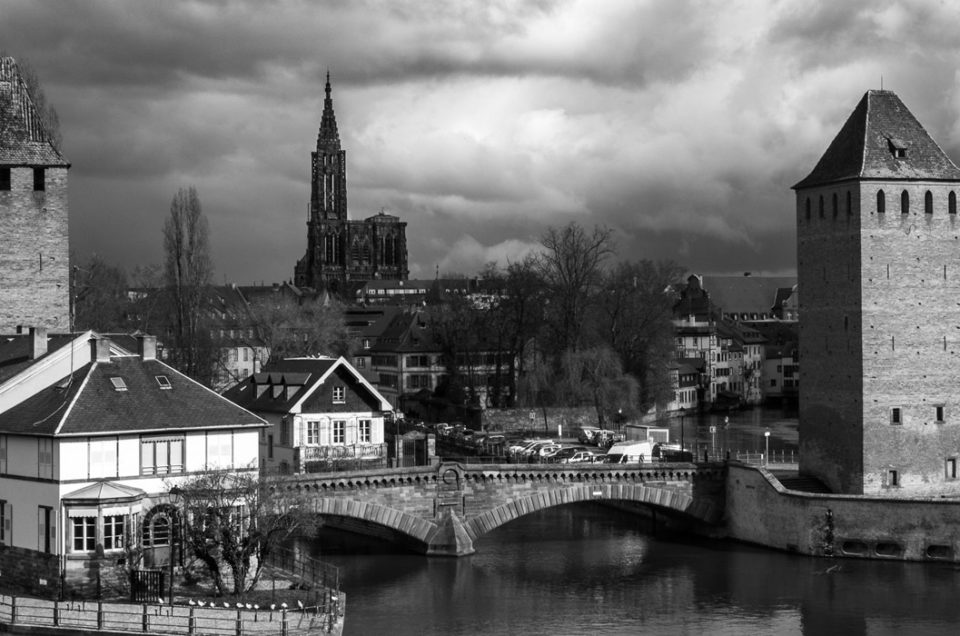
759,510
24,571
35,259
539,420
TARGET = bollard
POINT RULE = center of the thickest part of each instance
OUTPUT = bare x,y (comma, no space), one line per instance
146,621
56,613
191,623
239,630
13,610
283,622
99,615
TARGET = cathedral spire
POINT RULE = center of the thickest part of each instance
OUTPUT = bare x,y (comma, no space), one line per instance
329,138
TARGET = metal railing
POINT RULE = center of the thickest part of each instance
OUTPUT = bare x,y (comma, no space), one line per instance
188,620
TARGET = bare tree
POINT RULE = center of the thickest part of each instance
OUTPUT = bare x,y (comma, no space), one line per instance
99,295
232,520
188,271
595,376
571,267
287,326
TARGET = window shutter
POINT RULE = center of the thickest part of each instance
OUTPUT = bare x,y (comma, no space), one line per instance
8,524
41,527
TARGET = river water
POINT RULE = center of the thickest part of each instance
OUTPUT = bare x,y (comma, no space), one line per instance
589,569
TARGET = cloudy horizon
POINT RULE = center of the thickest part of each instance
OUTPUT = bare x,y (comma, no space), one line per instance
680,126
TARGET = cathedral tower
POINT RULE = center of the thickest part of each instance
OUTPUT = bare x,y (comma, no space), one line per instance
35,252
878,247
343,254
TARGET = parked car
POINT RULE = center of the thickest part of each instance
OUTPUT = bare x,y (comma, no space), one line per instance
586,457
566,453
534,449
547,451
518,448
587,434
443,429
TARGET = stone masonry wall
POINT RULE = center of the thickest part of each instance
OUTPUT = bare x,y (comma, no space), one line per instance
35,259
544,421
24,571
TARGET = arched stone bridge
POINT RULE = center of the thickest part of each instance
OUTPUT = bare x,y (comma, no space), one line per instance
442,510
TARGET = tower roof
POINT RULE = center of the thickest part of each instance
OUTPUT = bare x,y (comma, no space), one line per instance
882,140
23,139
329,137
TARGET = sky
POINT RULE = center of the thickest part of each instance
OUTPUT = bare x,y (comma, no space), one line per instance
680,126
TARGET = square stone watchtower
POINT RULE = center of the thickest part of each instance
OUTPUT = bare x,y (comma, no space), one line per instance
35,252
879,271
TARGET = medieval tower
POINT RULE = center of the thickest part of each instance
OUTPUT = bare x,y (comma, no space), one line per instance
342,254
34,240
879,270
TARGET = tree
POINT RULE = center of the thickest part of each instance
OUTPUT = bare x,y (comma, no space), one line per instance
522,308
99,294
188,271
288,326
595,376
233,520
634,317
571,267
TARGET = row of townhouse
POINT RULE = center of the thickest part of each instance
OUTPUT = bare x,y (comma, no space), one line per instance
729,358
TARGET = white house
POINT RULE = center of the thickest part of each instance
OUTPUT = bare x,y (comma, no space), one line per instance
321,411
92,438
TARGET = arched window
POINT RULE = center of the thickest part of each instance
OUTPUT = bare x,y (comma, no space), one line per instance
952,202
821,206
928,203
849,204
904,203
881,203
808,208
836,206
158,531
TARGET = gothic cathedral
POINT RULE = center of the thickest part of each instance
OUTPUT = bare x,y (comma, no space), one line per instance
343,254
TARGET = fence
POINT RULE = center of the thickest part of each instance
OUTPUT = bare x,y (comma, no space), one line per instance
188,620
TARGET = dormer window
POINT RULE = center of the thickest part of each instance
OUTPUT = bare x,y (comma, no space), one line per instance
898,148
163,381
118,383
339,395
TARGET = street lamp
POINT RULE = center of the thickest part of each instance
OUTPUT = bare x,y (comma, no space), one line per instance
175,495
766,456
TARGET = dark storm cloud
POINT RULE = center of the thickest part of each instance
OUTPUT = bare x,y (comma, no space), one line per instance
679,125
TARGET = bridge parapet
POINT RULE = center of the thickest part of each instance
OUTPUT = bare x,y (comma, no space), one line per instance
447,507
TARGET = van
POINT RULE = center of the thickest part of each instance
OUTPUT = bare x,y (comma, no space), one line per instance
630,452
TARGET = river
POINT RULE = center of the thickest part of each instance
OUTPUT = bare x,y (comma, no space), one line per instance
589,569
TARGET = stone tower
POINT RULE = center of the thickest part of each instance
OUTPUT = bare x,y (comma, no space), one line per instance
343,254
35,252
879,270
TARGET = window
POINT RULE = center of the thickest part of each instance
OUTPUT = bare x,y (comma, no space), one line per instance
113,532
836,206
285,427
45,456
46,530
269,446
849,204
3,454
313,433
102,458
896,417
366,343
84,534
220,450
904,203
928,203
893,478
808,208
364,431
339,395
339,431
5,179
881,202
118,383
161,455
820,207
951,468
6,517
39,181
952,203
360,363
158,533
163,381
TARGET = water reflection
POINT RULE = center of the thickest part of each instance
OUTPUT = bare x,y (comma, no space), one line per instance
586,569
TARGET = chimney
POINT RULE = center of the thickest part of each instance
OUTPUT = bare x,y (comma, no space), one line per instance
100,349
38,346
147,347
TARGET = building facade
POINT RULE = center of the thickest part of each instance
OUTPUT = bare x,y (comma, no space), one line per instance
878,264
342,254
35,259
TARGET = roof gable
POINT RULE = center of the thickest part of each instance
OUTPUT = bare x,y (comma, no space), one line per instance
881,140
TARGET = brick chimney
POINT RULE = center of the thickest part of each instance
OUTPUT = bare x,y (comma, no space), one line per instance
147,347
38,342
100,349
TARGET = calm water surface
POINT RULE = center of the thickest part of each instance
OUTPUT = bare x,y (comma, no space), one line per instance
588,569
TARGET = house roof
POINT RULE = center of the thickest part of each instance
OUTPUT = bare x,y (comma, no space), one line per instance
88,402
865,147
16,349
298,377
23,139
746,294
102,491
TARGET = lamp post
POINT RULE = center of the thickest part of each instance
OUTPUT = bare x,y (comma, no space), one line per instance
175,494
766,456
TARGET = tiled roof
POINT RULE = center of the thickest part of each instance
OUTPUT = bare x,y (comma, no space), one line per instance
23,140
295,372
745,294
865,147
145,406
15,351
42,412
